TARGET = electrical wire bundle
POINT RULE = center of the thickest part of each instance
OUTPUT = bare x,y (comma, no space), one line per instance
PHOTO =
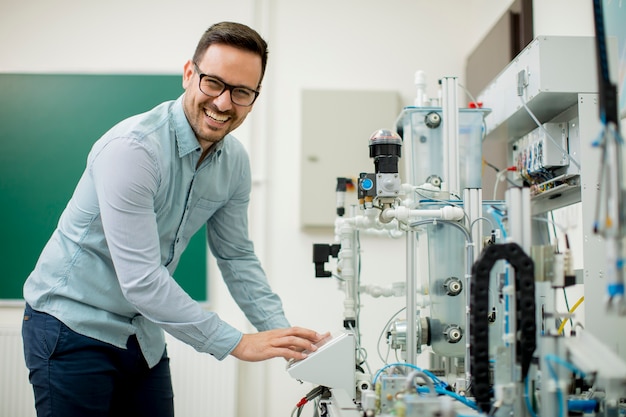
310,396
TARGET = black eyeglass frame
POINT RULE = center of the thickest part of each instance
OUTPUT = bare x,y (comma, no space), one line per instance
227,86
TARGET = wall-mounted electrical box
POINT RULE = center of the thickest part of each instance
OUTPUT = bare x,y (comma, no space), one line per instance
547,76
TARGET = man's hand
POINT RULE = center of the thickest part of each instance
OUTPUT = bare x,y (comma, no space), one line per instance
287,343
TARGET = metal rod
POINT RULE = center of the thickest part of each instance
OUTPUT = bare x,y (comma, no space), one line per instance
411,295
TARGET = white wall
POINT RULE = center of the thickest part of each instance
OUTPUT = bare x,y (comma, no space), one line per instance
552,17
364,44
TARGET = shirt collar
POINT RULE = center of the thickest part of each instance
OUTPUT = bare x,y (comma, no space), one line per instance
185,137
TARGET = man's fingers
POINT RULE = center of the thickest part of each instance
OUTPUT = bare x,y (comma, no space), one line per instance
311,335
302,339
288,343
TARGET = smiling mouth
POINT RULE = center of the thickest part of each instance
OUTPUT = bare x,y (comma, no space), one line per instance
217,117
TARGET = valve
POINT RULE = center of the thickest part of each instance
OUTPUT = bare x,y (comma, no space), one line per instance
453,286
453,333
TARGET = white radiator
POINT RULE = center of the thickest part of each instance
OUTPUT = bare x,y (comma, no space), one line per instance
203,386
16,394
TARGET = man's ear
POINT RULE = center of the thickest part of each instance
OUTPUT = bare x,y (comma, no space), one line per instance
188,71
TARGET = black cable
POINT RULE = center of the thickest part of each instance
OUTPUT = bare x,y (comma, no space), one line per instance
607,90
479,310
490,165
495,168
311,395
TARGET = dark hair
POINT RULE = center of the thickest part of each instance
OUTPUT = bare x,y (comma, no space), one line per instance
233,34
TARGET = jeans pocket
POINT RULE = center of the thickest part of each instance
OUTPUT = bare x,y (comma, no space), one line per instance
40,333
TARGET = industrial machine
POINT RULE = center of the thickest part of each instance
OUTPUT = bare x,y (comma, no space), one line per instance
490,271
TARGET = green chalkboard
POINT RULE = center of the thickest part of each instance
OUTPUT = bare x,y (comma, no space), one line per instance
48,123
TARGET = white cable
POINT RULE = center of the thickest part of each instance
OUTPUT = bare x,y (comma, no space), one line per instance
498,180
385,331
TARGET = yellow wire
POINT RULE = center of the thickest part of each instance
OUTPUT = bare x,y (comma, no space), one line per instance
574,307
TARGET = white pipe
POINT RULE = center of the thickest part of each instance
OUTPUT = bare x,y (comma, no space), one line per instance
366,221
345,233
396,290
403,214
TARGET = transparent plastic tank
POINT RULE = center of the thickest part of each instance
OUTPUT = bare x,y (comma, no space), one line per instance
446,264
446,260
422,132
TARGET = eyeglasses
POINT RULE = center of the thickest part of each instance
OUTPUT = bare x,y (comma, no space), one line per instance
214,87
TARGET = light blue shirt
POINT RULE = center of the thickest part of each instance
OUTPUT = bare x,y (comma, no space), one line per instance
106,272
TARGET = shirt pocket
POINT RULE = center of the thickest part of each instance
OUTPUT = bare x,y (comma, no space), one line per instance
200,213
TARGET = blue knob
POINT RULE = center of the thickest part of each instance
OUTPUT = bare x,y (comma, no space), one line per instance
367,184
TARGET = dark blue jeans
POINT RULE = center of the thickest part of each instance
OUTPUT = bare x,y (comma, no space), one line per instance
74,375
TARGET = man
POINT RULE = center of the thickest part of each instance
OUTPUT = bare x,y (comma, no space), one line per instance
102,291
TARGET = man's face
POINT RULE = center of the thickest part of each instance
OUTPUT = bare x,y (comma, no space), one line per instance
212,118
